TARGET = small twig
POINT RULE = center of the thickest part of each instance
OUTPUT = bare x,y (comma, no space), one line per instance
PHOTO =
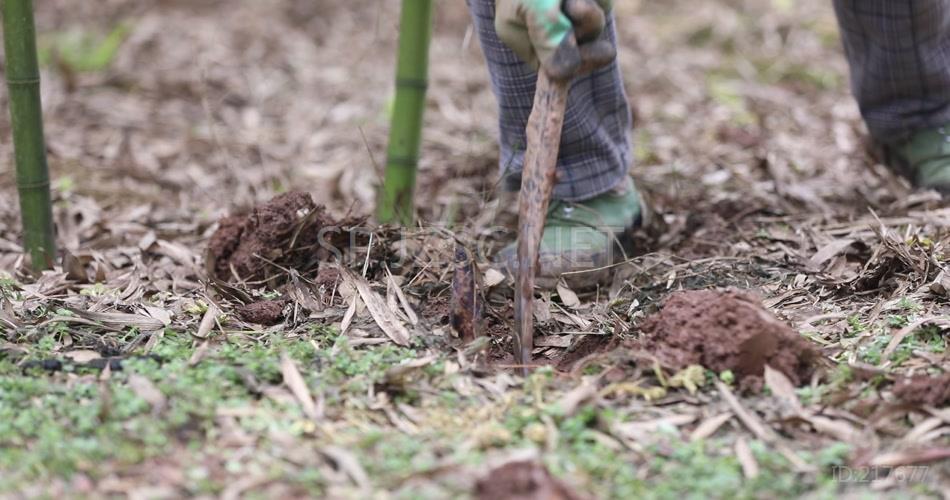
369,251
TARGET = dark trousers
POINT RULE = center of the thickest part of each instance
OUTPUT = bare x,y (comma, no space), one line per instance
899,51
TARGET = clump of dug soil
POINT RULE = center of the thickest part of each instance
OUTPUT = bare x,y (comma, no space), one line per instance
265,312
727,330
523,480
290,232
924,390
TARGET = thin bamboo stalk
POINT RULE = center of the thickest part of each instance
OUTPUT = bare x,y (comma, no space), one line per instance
26,120
405,133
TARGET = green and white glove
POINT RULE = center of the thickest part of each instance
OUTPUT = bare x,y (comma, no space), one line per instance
564,37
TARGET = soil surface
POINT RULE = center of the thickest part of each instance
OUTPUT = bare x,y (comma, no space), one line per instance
586,346
523,480
924,390
726,330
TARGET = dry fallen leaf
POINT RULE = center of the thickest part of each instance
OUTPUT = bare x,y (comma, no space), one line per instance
783,389
298,386
179,253
493,278
349,314
121,320
562,341
207,322
911,457
145,389
400,374
642,431
403,300
750,467
153,341
922,429
542,309
827,252
106,373
709,426
7,316
82,355
348,463
568,297
760,430
161,314
838,429
571,401
751,421
199,353
385,318
908,330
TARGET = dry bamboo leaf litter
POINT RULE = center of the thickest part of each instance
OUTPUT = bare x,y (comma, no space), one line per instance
384,317
747,198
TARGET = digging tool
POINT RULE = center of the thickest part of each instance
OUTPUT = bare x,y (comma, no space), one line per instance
537,181
543,135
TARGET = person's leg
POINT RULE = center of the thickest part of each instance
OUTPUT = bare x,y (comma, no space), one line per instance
595,202
900,63
595,146
899,53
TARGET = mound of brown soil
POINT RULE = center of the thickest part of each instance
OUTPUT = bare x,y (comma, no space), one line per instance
523,480
265,312
924,390
290,232
726,330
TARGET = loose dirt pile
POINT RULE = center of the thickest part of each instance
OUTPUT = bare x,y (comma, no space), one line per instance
924,390
265,312
523,480
288,232
726,330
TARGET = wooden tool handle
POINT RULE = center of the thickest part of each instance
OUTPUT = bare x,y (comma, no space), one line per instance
537,182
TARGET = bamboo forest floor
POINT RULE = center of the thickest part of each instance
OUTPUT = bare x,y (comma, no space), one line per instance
137,369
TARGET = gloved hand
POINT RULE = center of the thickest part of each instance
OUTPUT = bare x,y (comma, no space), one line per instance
563,37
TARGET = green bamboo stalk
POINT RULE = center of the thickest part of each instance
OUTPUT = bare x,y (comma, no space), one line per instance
405,133
26,120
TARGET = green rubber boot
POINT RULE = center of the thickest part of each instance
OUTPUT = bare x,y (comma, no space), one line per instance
581,239
924,159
